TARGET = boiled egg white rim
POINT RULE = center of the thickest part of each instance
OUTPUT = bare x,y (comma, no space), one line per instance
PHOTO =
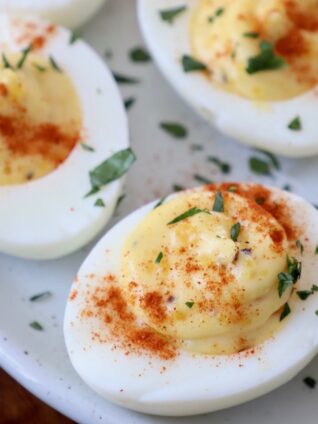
257,124
70,13
49,217
189,385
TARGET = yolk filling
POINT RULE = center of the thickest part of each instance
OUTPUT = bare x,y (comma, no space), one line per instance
209,280
40,118
262,50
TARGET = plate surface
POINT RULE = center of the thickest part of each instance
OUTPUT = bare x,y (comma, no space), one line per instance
38,359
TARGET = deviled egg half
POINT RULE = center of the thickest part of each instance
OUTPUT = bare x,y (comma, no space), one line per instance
249,67
198,302
63,138
70,13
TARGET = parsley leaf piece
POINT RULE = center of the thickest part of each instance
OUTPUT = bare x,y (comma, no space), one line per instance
100,203
124,79
177,187
294,268
251,34
295,124
285,281
128,103
273,159
316,250
310,382
112,168
93,190
314,288
304,294
286,311
218,203
54,64
224,167
300,246
24,56
189,64
189,304
159,258
235,231
6,63
169,15
217,13
258,166
87,147
74,36
40,296
191,212
39,67
174,129
202,179
36,326
139,55
266,60
160,202
316,312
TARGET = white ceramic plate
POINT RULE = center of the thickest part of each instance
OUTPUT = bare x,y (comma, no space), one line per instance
38,359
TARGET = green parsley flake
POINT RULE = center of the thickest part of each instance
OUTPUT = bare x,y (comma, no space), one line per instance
36,326
285,281
300,246
189,64
295,124
258,166
169,15
310,382
159,258
124,79
40,296
100,203
128,103
218,203
174,129
304,294
189,304
266,60
202,179
24,56
54,64
235,231
39,67
139,55
87,147
285,312
251,34
224,167
191,212
74,36
6,63
273,159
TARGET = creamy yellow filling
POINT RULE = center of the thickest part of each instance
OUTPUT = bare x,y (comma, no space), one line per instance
194,282
225,34
40,118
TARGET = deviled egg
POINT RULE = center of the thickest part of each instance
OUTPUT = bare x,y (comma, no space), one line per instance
63,137
70,13
198,302
249,67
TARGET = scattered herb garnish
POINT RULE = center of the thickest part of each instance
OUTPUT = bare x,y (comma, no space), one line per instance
218,203
169,15
139,54
266,60
87,147
6,63
39,67
294,268
316,312
287,187
189,304
202,179
316,250
314,288
24,55
285,281
189,64
160,202
159,258
224,167
74,36
54,64
129,102
295,124
300,246
258,166
191,212
251,34
235,231
304,294
100,203
286,311
217,13
94,190
36,326
111,169
177,187
174,129
40,296
124,79
273,159
310,382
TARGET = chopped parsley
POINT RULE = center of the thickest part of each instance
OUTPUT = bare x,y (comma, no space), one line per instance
316,250
285,281
6,63
36,326
139,55
189,64
169,15
218,203
251,34
266,60
191,212
258,166
159,258
202,179
273,159
294,268
177,187
119,200
189,304
160,202
128,103
74,36
235,231
285,312
304,294
100,203
300,246
54,64
295,124
111,169
125,79
39,67
40,296
87,147
216,14
175,129
24,56
224,167
310,382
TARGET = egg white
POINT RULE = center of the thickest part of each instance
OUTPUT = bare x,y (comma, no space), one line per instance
257,124
190,384
70,13
49,217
